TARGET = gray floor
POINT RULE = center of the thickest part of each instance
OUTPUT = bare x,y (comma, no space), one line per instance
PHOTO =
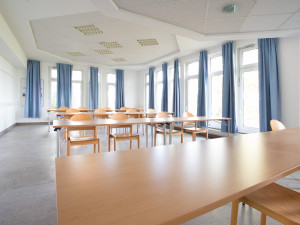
27,174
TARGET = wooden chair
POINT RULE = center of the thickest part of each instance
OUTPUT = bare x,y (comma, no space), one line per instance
107,109
133,116
151,115
82,140
277,125
122,136
159,130
275,201
82,107
63,108
194,130
101,116
123,108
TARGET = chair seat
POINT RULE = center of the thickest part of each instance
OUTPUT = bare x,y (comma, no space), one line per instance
85,138
192,129
161,131
124,135
276,201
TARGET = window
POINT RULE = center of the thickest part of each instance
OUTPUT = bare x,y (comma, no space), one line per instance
170,88
76,88
191,93
111,90
215,83
147,91
248,92
159,88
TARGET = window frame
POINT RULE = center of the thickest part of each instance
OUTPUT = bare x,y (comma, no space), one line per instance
81,86
112,84
157,82
240,80
146,105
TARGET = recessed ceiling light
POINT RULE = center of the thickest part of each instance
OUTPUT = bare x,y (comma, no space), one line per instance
104,51
76,53
112,44
118,60
148,42
231,8
89,29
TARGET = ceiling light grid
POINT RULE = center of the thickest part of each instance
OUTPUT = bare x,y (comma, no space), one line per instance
75,53
112,44
104,51
118,59
89,29
147,42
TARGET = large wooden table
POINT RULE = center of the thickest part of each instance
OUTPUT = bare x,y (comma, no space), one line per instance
171,184
58,124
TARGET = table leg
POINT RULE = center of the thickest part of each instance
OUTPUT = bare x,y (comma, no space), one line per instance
48,121
146,125
170,133
228,127
152,136
165,134
57,142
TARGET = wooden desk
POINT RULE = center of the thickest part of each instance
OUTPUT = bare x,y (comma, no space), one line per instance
110,113
58,124
171,184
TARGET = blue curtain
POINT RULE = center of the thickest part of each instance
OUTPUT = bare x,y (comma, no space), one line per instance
164,96
64,85
176,90
93,97
269,90
120,89
151,88
228,95
202,85
33,90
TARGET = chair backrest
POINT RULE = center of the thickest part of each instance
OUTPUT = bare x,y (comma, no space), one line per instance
151,110
187,114
276,125
141,109
72,110
81,117
131,110
63,108
106,108
100,110
124,108
162,115
82,107
119,116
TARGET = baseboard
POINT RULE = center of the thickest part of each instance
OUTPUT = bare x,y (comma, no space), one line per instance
37,123
7,129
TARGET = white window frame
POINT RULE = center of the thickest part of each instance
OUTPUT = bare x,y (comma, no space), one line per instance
110,83
188,77
170,85
157,82
146,106
214,125
241,70
77,81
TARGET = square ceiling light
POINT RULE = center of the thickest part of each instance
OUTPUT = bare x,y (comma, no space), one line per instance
112,44
89,29
76,53
104,51
148,42
118,60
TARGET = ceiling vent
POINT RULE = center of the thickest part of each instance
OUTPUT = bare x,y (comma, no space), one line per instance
113,44
89,29
104,51
76,53
118,60
148,42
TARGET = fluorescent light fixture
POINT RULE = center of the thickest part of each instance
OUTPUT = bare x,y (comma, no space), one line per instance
231,8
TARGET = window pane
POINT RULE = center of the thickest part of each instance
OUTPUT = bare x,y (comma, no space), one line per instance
158,97
171,75
216,64
111,96
192,95
147,78
77,75
54,73
159,76
193,68
170,95
111,78
53,94
76,95
147,96
216,95
251,99
250,57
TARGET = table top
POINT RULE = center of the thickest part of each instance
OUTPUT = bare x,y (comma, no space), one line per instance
110,113
171,184
69,123
64,110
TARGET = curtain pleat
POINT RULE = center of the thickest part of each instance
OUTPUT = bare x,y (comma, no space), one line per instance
64,85
176,90
94,92
151,88
164,100
120,89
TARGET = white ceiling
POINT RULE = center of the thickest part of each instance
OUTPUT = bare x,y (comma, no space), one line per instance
45,29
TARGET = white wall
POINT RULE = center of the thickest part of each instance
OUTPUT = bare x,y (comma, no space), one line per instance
7,94
289,73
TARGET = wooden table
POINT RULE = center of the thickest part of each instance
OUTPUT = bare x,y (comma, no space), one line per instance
110,113
171,184
58,124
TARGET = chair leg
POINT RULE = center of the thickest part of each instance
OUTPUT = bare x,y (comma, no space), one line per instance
207,135
263,219
99,146
137,128
143,129
108,143
182,138
68,148
94,148
234,212
154,138
194,136
138,141
115,144
130,144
